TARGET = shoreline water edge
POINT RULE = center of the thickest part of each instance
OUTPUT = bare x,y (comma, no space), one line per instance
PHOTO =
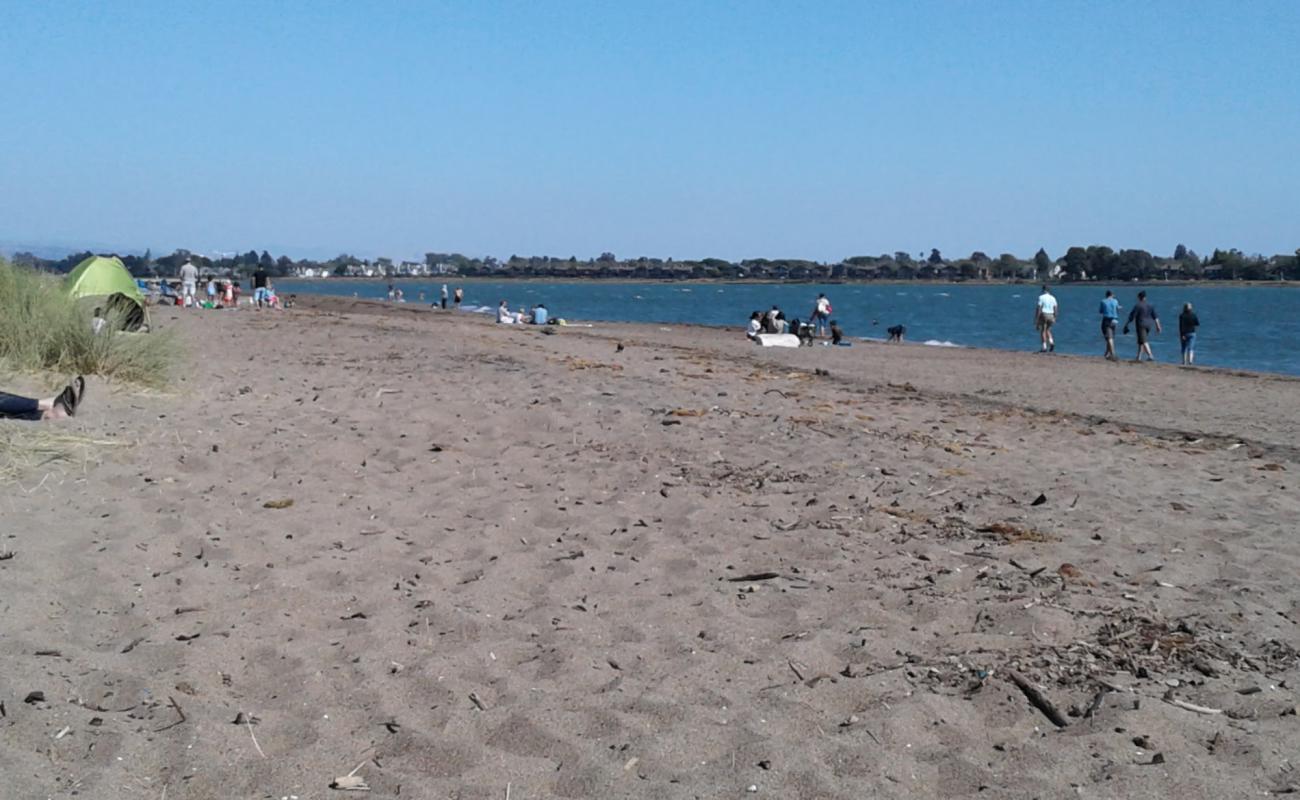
1248,328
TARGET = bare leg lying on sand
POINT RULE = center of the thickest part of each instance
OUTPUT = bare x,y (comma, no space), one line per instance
64,404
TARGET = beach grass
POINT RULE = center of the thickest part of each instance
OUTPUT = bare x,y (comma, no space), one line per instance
42,330
25,448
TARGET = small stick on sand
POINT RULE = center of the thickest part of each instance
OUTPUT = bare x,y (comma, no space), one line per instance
248,721
180,713
1183,704
1038,699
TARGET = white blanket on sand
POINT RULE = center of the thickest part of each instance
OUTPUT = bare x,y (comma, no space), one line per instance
778,340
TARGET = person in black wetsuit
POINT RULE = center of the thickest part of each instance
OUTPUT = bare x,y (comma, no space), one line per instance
1142,318
1188,322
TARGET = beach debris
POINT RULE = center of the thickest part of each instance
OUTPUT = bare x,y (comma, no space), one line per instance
64,731
1186,706
1070,572
284,503
1038,699
477,701
1011,532
34,697
5,555
618,348
754,576
248,721
244,719
1039,500
351,782
179,713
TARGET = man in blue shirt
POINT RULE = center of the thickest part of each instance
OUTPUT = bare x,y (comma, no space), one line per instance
1109,321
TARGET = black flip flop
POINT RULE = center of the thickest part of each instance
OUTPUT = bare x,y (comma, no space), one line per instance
70,398
66,402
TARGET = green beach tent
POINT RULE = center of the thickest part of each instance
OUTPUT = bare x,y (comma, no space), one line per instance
105,281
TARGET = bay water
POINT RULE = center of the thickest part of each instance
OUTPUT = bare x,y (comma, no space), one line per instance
1250,327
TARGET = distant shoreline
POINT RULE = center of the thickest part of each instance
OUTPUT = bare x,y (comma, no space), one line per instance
450,279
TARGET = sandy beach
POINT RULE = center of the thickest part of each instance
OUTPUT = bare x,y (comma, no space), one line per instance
452,559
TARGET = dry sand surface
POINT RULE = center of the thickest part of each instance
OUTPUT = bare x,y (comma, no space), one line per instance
533,565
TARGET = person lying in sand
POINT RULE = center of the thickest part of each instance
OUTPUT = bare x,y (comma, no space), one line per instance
64,404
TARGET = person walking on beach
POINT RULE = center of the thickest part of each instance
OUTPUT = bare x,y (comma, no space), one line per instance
189,283
261,291
1142,317
1044,319
458,296
822,316
1188,322
444,297
1109,322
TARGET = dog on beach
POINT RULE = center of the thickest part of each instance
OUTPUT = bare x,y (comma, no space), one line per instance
896,333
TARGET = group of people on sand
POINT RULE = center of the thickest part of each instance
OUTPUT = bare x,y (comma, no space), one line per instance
223,292
1141,318
539,315
818,326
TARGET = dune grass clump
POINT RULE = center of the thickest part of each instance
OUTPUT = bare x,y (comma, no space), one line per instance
26,448
42,329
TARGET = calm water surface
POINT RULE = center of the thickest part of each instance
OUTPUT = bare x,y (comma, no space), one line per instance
1244,327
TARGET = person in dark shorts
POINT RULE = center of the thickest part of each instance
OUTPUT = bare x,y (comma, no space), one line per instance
261,292
458,296
1109,322
1045,318
1142,318
1188,322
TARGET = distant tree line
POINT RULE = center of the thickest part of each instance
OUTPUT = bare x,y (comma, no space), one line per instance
1092,263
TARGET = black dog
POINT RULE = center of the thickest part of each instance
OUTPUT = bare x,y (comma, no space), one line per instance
896,333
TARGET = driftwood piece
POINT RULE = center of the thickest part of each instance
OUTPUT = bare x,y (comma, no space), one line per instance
1038,699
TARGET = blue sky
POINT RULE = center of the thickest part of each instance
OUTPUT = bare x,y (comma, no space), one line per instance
683,129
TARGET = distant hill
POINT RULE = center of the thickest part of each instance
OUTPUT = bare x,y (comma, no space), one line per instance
54,252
